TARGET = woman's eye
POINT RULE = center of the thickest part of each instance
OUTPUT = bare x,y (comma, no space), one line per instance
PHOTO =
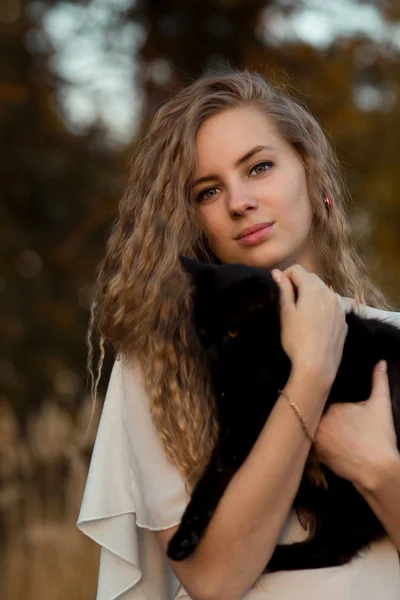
261,167
207,194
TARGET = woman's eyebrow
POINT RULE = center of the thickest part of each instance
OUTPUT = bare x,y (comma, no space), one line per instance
239,162
251,153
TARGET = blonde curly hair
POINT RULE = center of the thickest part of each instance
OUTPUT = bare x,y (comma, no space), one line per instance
142,302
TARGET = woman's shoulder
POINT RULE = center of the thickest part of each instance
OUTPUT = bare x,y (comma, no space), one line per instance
370,312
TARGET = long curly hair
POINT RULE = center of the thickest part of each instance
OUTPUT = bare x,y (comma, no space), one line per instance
142,301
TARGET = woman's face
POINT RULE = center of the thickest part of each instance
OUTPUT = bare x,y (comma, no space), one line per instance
248,176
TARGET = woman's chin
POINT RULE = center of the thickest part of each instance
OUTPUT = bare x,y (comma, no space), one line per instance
261,261
261,257
269,261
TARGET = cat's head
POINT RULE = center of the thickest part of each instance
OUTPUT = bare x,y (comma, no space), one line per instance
236,307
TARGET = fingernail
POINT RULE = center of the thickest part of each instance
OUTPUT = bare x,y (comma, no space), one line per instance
277,275
382,366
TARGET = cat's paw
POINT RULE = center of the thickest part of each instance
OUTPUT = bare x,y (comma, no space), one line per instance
182,544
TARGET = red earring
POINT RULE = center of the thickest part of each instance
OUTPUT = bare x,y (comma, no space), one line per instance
328,203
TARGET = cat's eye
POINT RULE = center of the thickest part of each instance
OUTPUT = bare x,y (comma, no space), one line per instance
233,334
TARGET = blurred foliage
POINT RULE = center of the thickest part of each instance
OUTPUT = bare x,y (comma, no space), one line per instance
57,192
60,188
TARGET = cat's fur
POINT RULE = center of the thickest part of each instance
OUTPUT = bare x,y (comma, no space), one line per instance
236,313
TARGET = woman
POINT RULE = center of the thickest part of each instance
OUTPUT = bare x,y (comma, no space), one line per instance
231,170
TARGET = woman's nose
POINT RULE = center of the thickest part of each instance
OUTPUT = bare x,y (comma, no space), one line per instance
240,200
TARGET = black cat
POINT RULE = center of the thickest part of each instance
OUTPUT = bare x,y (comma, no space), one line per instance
236,313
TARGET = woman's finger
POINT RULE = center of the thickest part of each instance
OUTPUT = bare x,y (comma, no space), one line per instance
297,275
287,296
380,382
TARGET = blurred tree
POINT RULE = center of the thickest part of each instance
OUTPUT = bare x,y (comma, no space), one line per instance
186,39
56,196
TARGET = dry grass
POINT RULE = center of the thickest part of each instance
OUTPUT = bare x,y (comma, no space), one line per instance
43,556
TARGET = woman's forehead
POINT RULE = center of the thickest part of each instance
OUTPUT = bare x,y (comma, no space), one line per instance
226,138
236,124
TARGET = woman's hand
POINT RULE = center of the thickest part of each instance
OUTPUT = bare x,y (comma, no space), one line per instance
313,326
358,441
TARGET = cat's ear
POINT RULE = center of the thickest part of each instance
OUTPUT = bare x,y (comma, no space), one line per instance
196,268
202,275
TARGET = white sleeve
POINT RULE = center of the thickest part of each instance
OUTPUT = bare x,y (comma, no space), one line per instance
131,491
383,315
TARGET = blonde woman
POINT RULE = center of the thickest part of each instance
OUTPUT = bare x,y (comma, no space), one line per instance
232,170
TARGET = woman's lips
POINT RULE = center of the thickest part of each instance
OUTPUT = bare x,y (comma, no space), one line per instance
255,237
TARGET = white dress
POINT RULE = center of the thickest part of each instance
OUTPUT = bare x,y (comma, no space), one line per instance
132,490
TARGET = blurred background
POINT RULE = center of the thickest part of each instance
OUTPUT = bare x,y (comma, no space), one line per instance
77,81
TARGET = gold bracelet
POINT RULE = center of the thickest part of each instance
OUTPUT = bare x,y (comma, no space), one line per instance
300,417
